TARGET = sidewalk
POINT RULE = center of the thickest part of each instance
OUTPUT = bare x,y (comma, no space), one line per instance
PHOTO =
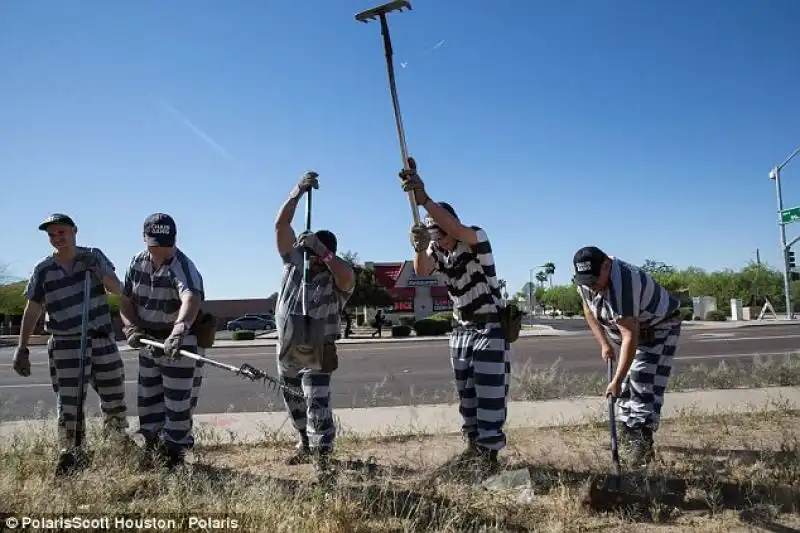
431,419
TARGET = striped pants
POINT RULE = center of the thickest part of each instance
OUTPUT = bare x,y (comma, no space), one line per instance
312,417
167,395
642,394
103,370
482,372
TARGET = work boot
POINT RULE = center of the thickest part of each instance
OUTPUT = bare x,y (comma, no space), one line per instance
70,462
637,445
152,455
487,460
174,458
470,451
303,454
322,461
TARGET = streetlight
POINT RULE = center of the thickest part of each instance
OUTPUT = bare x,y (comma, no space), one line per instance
530,292
775,174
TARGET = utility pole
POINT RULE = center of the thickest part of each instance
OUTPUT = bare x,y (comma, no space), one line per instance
775,174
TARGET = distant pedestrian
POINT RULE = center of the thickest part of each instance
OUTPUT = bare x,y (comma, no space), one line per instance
379,318
56,287
161,300
626,306
479,347
306,356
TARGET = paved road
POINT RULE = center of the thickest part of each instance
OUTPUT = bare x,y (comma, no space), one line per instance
388,374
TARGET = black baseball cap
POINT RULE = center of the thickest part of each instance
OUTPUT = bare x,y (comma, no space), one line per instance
56,218
160,230
588,261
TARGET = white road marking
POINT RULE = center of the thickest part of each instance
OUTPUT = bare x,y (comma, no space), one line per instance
751,338
26,385
714,335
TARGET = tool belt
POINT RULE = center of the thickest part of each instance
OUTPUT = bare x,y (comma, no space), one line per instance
509,318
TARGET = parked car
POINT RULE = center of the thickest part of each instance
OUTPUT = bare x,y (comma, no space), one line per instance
250,322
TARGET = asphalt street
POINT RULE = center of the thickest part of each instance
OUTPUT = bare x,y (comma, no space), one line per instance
387,374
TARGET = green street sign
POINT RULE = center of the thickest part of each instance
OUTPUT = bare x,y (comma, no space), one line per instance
790,215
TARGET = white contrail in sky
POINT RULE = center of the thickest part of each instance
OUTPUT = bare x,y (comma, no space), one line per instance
197,131
436,46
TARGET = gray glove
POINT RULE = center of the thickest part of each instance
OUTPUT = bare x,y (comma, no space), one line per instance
134,336
412,182
90,262
420,238
22,361
307,182
173,343
309,240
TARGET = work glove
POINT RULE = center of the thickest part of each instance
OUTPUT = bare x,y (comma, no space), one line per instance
309,240
89,260
420,237
22,361
134,336
173,343
411,182
307,182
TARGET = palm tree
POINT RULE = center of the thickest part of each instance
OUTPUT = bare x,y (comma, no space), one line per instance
541,277
502,283
549,270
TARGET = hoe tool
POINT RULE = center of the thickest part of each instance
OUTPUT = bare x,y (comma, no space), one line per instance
380,13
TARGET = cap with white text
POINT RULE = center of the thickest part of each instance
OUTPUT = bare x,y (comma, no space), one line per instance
588,262
160,230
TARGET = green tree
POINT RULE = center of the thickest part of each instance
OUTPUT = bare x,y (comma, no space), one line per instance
541,277
367,293
549,270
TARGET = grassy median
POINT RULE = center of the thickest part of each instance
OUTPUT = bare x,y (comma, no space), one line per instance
738,470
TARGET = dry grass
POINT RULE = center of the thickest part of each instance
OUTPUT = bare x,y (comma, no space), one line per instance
737,470
555,382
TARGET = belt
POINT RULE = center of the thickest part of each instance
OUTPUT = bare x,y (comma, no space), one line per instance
483,318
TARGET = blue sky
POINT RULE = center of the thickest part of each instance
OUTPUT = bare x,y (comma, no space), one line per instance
647,128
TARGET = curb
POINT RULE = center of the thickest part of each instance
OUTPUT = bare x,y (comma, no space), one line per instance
434,419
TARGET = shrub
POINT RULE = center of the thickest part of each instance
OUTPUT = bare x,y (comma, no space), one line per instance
407,321
428,327
243,335
687,313
447,316
717,316
401,331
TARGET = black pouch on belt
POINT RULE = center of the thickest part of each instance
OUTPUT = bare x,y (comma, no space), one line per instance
330,358
511,321
205,329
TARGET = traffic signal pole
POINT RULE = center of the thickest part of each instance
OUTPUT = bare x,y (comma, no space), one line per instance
775,174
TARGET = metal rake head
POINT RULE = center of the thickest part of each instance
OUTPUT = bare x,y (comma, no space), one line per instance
375,12
256,374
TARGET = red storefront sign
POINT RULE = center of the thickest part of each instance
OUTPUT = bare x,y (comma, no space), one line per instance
403,299
441,299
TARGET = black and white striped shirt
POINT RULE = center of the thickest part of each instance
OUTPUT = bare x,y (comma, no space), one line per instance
156,292
61,294
470,277
632,293
325,302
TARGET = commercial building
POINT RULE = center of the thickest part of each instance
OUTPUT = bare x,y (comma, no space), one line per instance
417,296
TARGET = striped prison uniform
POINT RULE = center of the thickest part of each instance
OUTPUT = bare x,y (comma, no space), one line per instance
633,293
478,352
168,388
61,294
312,417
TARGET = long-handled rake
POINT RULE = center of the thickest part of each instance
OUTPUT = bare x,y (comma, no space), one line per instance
306,274
245,370
87,295
380,12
